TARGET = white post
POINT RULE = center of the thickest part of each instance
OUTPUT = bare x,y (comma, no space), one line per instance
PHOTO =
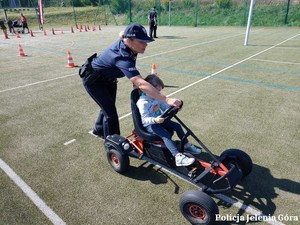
5,16
169,12
249,21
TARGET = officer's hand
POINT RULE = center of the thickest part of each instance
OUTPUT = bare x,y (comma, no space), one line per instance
173,102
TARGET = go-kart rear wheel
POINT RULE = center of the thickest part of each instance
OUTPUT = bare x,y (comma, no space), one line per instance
242,158
198,207
118,161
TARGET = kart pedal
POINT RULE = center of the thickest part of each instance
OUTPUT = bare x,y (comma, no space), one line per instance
192,173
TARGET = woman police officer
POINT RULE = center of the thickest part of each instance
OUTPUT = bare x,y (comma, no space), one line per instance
99,76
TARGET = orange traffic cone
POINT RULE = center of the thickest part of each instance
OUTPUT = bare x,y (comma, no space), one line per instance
88,27
154,69
61,31
76,26
81,27
85,29
53,32
94,28
72,30
5,34
45,33
70,61
99,27
18,35
21,51
31,34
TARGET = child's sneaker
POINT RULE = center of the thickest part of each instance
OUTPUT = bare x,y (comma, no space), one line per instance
192,149
182,160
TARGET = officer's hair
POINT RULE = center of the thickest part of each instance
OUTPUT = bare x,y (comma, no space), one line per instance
121,34
155,81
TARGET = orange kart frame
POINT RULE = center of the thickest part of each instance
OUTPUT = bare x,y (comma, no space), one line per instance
215,167
226,167
137,143
213,175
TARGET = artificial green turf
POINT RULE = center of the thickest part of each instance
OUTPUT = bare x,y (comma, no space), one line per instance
76,180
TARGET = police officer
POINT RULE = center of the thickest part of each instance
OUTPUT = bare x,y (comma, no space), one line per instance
152,19
99,76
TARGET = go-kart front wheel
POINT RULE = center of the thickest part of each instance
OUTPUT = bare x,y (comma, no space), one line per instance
242,158
198,207
118,161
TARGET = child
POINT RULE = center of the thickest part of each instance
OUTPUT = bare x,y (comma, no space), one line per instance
10,26
2,26
150,110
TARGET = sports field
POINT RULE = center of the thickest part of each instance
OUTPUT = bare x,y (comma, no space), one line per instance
247,97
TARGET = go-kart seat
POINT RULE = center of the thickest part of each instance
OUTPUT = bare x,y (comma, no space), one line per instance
137,121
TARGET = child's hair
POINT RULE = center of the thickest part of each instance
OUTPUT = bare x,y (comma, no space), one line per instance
155,81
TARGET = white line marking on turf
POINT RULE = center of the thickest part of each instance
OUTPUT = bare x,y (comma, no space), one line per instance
48,212
248,209
233,65
39,82
120,118
178,49
91,132
198,81
69,142
272,61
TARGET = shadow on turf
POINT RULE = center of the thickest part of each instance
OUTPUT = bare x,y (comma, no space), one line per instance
146,172
171,86
289,46
258,189
171,37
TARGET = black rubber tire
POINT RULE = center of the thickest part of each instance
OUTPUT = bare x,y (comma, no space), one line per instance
118,161
198,207
243,159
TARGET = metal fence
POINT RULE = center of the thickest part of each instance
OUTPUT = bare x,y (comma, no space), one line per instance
182,12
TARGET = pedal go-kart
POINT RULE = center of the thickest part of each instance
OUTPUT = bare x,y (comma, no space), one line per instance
216,175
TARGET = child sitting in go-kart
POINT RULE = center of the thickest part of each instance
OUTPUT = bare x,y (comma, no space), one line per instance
150,110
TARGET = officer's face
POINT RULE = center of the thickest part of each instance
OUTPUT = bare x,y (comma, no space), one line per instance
137,46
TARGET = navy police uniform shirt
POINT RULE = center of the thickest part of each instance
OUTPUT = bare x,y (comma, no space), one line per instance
116,61
152,15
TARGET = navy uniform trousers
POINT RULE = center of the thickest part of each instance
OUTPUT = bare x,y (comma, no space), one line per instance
104,94
152,29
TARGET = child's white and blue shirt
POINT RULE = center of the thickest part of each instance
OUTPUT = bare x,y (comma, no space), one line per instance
150,108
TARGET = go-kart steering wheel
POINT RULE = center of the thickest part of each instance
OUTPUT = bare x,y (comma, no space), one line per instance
170,112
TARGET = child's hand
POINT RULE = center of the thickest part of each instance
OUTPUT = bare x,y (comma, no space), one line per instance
159,119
